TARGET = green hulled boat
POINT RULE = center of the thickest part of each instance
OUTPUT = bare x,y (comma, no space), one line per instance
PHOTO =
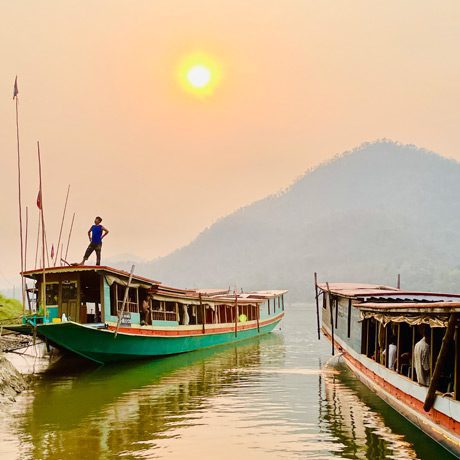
102,314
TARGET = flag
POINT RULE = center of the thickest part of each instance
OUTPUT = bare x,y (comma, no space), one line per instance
52,251
15,90
39,200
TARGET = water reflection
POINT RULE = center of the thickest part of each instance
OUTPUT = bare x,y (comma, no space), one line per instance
362,432
106,409
270,398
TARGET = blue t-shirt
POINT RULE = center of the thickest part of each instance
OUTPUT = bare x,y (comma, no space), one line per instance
96,234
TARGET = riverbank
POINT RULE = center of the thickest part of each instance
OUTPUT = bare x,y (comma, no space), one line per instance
12,382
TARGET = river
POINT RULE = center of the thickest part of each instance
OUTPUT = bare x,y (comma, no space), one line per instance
272,397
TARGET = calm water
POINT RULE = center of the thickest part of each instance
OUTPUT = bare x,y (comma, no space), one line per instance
269,398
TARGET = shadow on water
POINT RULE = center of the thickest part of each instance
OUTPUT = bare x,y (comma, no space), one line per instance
366,426
76,409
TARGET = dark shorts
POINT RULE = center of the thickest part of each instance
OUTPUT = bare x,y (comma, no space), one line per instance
94,247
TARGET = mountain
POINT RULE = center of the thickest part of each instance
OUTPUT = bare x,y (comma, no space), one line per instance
367,215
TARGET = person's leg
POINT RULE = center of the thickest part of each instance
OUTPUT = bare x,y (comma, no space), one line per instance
98,254
88,252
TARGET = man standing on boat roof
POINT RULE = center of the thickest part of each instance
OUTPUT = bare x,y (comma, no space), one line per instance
95,234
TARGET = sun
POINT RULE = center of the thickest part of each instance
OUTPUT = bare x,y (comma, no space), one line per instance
199,74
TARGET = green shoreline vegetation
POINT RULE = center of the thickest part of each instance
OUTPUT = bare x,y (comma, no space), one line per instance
9,308
11,381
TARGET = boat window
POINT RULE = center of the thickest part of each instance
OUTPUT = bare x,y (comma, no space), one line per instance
52,293
117,294
69,290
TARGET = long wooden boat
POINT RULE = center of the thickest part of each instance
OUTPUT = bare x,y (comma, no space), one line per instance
86,312
368,323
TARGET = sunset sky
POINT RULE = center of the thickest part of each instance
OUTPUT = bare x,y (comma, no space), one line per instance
295,82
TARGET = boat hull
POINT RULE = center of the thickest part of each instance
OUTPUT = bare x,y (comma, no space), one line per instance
443,429
102,346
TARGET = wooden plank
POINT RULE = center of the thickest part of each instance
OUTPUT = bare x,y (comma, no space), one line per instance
125,298
317,306
349,319
332,318
448,336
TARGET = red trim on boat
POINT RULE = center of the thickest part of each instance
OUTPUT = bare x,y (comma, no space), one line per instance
193,332
434,415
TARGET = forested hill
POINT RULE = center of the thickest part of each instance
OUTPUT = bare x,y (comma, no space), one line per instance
367,215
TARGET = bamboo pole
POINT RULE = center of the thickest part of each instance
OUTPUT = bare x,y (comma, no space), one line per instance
16,98
70,234
236,315
38,239
62,224
258,317
317,306
43,286
203,312
125,298
398,285
25,260
26,238
332,318
431,394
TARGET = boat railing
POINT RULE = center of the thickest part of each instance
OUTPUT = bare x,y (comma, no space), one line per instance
162,315
129,306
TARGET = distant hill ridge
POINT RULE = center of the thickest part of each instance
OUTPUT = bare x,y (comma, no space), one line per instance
381,209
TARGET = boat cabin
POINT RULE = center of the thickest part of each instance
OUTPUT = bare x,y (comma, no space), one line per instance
96,294
385,324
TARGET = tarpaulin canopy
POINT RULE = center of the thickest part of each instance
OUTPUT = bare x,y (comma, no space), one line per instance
412,320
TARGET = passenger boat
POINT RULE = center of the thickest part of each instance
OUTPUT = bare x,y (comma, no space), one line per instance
367,323
99,313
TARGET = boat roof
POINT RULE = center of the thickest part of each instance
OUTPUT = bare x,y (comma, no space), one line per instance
38,273
159,289
380,297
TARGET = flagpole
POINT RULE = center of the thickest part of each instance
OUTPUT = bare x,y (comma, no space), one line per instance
15,96
43,296
62,224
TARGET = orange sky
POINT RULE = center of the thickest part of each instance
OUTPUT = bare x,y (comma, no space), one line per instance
301,81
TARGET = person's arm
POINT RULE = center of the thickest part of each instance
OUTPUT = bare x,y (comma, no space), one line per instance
104,232
89,234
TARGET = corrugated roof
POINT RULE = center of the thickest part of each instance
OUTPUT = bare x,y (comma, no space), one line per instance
82,268
373,291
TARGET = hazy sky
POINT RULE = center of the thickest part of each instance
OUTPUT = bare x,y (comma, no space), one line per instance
301,81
